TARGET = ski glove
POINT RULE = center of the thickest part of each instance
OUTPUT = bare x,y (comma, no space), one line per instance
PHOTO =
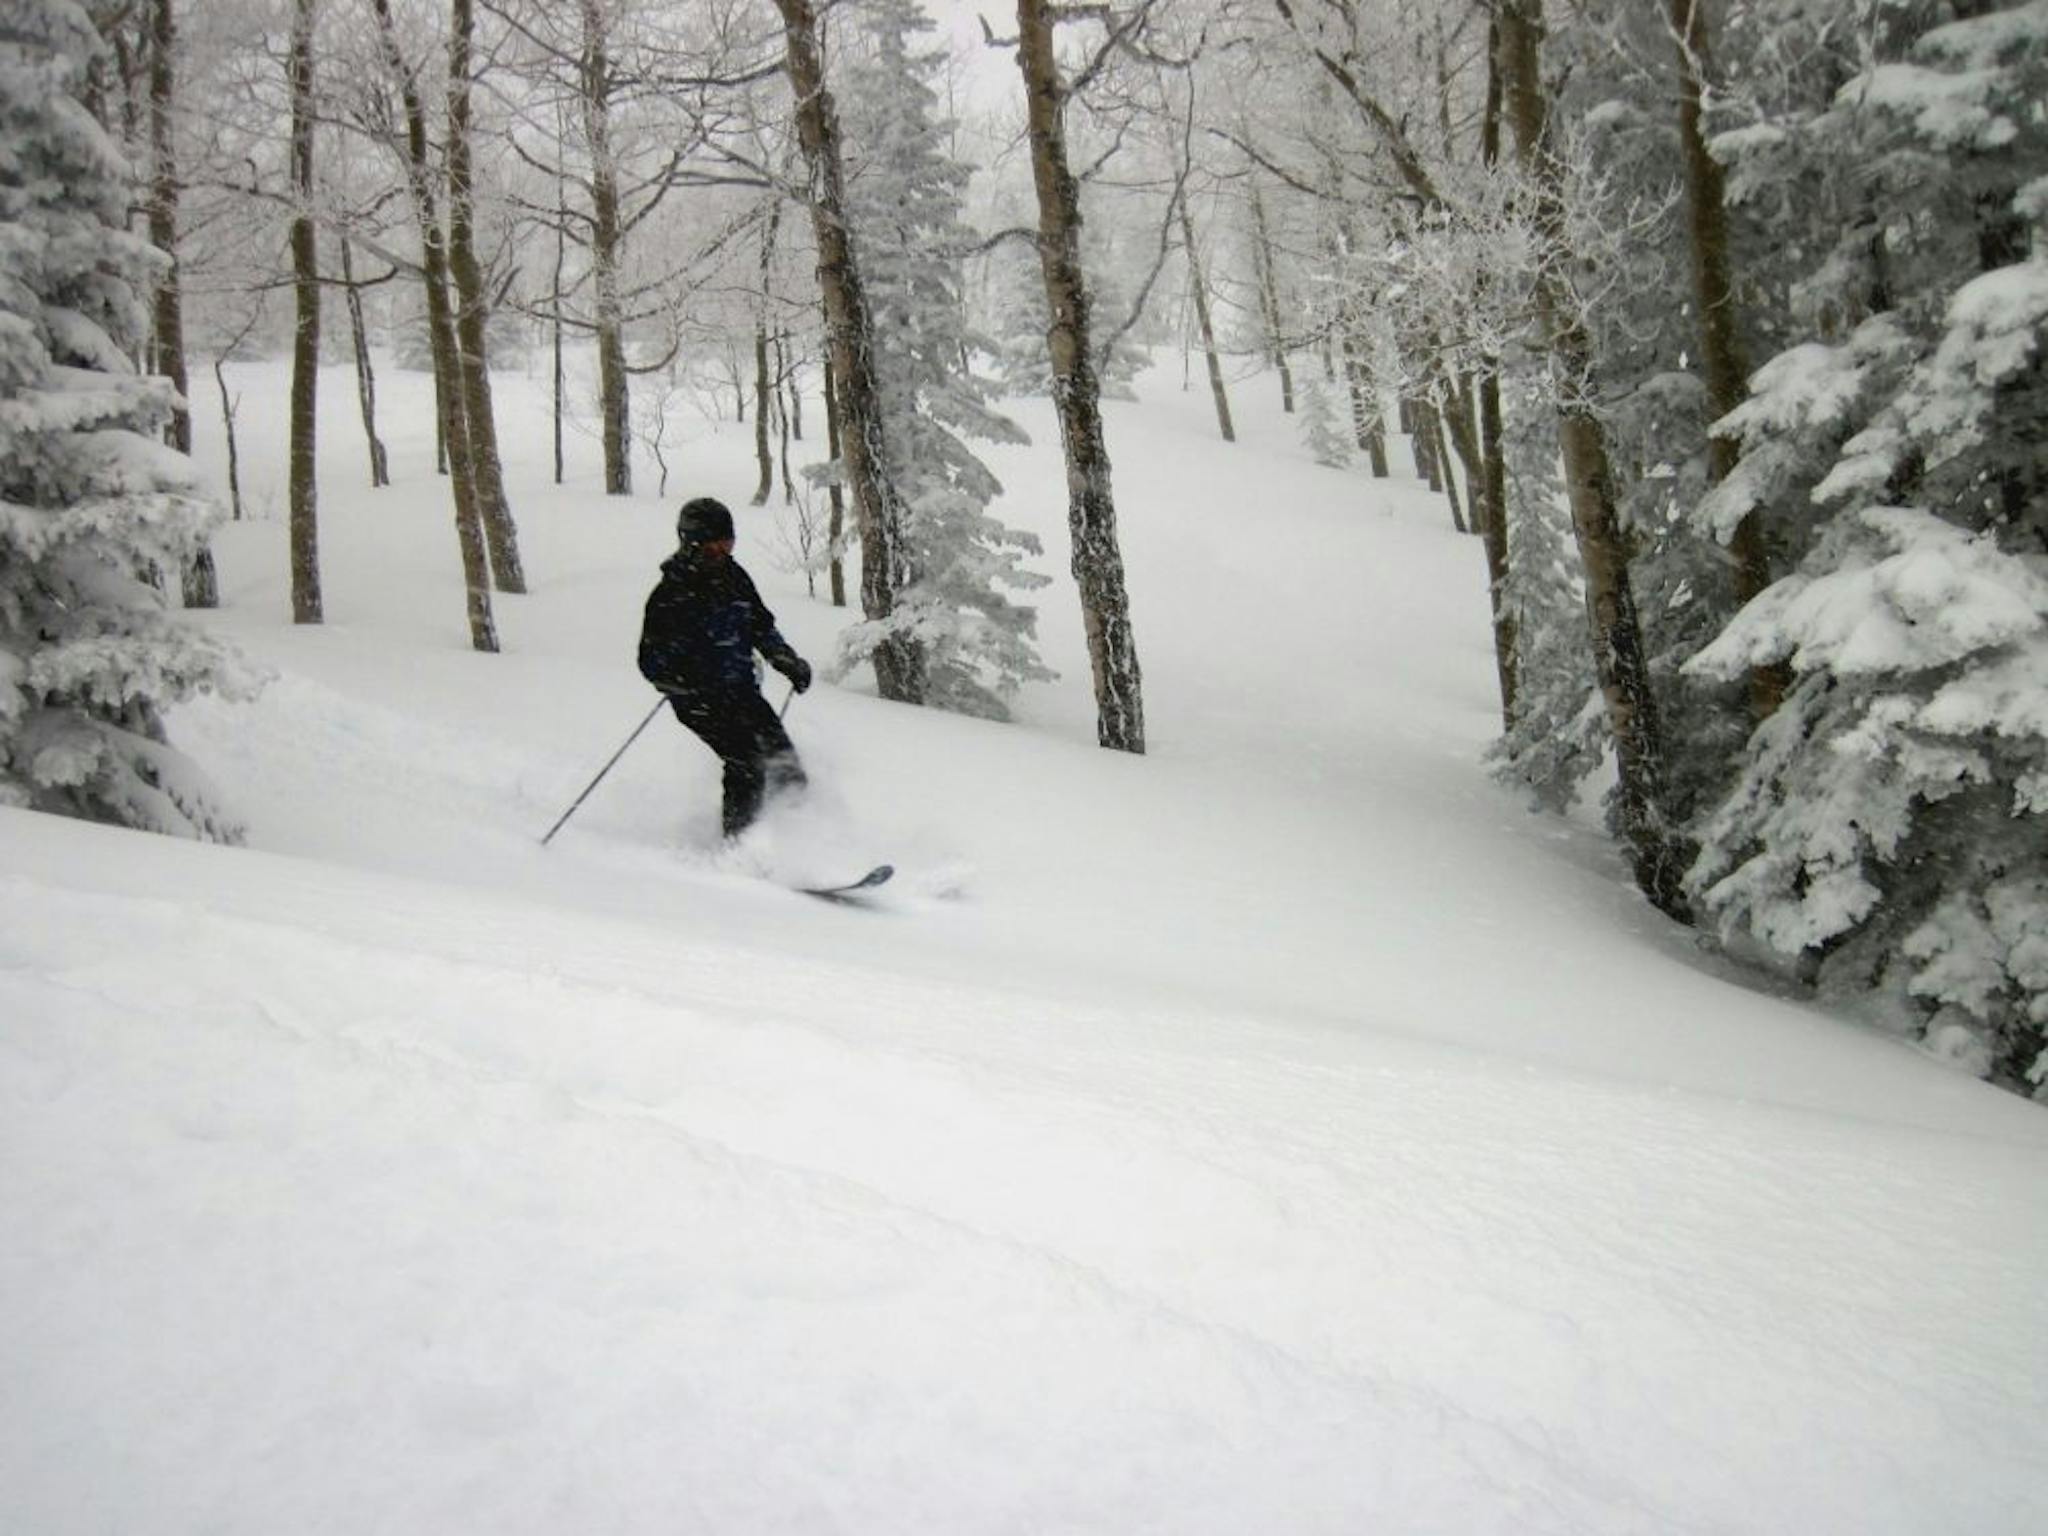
797,670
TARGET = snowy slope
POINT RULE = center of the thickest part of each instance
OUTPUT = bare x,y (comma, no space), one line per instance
1282,1132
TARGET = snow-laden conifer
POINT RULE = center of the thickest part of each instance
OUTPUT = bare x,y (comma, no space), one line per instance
1323,433
903,204
1892,817
1559,735
1021,321
95,511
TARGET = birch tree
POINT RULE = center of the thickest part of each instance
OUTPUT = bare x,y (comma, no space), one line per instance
1098,565
304,473
1198,290
1618,652
887,562
472,312
607,232
202,586
423,181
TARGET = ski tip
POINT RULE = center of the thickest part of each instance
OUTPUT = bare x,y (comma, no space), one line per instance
867,882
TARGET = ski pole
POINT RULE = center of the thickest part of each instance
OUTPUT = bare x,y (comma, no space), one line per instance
791,699
607,768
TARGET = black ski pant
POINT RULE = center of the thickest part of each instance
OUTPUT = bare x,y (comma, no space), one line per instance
738,725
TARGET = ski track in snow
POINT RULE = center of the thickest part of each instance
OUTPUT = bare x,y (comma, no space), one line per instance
1285,1134
796,1127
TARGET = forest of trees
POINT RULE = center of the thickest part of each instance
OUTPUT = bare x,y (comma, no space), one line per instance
1717,323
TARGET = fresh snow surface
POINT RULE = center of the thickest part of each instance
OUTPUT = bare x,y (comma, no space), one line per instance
1283,1132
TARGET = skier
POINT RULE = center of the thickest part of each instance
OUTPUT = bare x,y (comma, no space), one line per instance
704,622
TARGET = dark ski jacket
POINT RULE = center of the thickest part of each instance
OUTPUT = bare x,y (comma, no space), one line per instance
704,622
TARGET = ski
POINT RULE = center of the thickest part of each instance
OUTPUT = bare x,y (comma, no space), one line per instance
853,889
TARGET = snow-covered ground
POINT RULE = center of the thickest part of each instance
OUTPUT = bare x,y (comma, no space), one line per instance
1282,1132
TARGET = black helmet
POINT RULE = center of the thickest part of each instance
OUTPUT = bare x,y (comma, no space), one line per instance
704,520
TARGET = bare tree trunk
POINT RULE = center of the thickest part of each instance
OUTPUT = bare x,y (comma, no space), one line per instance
654,444
168,310
555,295
1485,454
1493,487
113,27
1721,350
886,562
1461,437
1422,441
1475,435
762,380
790,372
606,237
1199,286
304,493
1266,265
1430,426
228,407
472,316
1077,395
782,425
420,181
469,525
366,377
1440,447
95,94
1618,654
1187,348
835,531
201,582
1368,421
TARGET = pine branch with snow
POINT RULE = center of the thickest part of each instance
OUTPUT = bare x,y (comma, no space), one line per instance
1323,432
94,509
904,197
1559,737
1903,781
1888,822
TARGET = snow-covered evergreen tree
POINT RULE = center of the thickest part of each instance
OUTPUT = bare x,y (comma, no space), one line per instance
1017,318
1892,817
1559,736
903,203
1020,321
1325,434
95,511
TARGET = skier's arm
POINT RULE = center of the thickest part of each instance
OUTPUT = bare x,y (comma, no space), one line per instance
664,643
780,654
